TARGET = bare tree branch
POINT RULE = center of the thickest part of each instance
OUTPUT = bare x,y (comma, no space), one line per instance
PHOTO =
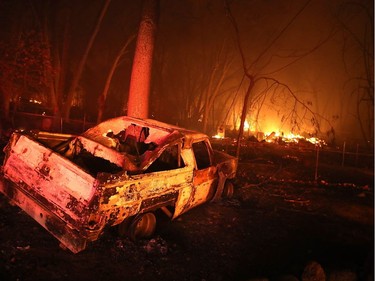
316,116
103,96
272,43
77,75
303,55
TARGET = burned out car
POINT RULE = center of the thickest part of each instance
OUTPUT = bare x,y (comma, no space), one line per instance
117,173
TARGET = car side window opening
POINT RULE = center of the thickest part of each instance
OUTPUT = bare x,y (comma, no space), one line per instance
202,156
170,159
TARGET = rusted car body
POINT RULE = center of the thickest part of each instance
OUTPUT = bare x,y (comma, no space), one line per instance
76,186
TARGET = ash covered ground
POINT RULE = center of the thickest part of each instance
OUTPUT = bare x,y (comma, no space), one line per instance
283,223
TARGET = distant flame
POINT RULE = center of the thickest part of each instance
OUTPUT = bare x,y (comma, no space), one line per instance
271,135
246,125
290,137
35,101
217,136
220,133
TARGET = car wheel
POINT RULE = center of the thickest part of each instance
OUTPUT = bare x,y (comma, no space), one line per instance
142,226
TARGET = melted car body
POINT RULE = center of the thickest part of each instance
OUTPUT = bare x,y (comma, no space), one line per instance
77,185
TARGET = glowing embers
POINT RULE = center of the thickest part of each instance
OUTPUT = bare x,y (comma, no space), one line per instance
292,138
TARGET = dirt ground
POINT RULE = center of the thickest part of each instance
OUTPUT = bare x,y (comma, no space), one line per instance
280,219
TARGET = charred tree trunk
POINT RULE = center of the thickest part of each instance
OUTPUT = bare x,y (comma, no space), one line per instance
103,96
77,75
243,116
140,80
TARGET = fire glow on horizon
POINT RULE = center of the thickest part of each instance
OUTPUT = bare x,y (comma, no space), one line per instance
274,136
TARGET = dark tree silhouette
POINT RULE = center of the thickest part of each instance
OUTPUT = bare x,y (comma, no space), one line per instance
77,75
359,38
103,96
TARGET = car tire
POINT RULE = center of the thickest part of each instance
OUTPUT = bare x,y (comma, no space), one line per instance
142,226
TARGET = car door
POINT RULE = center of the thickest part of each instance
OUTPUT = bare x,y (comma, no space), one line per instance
205,174
204,177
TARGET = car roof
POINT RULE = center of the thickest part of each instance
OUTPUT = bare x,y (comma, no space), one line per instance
158,131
